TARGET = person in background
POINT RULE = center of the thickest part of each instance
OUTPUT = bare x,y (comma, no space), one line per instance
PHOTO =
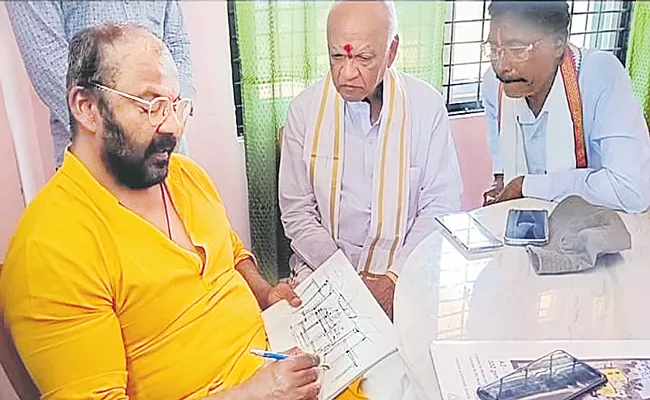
367,158
44,28
124,278
562,120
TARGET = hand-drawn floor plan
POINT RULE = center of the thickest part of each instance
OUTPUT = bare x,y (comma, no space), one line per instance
339,320
329,326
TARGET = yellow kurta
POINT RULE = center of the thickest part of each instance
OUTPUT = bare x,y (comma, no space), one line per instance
101,304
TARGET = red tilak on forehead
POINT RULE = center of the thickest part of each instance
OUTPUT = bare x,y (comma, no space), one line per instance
348,50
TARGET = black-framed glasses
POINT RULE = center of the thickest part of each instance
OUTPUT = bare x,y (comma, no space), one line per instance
159,108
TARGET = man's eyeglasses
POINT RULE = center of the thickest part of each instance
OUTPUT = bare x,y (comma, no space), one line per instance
159,108
519,53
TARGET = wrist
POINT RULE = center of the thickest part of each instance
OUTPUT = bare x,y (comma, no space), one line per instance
256,282
240,392
263,296
253,388
392,276
245,391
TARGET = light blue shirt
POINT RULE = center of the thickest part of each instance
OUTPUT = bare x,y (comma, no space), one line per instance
435,182
44,28
360,147
616,136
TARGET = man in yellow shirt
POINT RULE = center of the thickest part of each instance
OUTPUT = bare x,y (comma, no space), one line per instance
124,278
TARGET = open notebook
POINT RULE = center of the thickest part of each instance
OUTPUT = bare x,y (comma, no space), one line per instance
339,320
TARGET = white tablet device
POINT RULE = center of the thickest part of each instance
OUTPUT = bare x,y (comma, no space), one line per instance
469,233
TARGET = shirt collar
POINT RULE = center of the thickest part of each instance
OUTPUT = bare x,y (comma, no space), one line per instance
524,113
77,172
360,110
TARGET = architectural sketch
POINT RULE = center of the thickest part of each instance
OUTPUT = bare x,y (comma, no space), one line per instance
328,325
339,320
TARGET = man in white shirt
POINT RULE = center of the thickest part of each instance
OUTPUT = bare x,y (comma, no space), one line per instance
367,158
563,120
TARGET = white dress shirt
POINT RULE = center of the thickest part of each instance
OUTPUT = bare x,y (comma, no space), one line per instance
435,181
616,137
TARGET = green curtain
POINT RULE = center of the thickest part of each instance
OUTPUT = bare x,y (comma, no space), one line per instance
283,49
638,55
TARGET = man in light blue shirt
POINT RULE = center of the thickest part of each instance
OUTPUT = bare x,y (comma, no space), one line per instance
538,137
44,28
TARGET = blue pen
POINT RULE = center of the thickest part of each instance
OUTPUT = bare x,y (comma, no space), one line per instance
270,355
279,356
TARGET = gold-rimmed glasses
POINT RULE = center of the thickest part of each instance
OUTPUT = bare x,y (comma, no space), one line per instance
159,108
516,53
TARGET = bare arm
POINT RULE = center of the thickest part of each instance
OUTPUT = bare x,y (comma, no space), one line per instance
265,293
296,378
260,286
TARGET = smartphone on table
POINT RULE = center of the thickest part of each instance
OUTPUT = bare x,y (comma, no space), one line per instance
470,234
527,227
557,376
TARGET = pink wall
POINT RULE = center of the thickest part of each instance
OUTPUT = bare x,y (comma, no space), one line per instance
11,199
470,137
19,107
27,115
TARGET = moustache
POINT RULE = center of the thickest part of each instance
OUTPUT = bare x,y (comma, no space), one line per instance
511,80
161,143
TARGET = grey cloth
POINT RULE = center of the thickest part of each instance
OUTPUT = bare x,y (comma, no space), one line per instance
579,233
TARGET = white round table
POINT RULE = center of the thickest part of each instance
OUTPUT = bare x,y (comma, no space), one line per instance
442,295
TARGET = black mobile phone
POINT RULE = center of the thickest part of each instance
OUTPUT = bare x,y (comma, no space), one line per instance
557,376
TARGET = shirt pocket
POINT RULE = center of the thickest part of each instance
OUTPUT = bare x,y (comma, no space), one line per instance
414,176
